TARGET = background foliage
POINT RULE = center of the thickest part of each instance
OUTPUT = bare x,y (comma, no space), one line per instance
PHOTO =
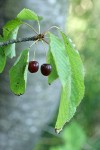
84,132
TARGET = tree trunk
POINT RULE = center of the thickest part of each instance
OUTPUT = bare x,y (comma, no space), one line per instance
22,119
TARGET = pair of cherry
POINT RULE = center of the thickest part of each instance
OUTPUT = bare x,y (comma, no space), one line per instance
33,67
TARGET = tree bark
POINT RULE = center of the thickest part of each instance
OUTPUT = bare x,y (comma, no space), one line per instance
24,118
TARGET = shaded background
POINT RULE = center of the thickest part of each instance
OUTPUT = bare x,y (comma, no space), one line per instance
83,131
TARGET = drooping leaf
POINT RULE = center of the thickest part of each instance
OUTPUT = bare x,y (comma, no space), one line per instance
27,14
77,70
60,58
67,107
71,74
53,76
73,92
10,31
18,73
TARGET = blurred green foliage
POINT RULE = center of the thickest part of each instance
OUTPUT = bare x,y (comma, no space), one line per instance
72,137
83,133
83,27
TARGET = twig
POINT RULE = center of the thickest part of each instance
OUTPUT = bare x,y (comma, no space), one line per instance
33,38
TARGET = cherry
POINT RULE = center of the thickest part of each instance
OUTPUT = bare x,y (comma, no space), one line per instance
33,66
46,69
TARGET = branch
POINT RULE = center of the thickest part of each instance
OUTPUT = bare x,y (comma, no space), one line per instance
33,38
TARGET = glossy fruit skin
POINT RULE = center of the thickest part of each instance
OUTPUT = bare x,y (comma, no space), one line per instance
33,66
46,69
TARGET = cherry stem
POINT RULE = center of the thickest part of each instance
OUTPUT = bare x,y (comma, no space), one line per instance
31,27
44,47
50,29
39,26
33,43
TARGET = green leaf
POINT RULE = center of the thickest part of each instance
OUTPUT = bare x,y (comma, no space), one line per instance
77,70
10,49
10,31
27,14
53,76
67,107
18,73
2,57
60,58
11,26
71,74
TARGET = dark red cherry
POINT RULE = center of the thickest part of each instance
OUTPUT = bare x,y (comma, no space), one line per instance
46,69
33,66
